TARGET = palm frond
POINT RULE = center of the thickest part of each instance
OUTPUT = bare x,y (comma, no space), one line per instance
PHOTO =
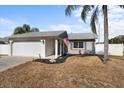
94,20
121,6
69,9
92,6
85,11
104,9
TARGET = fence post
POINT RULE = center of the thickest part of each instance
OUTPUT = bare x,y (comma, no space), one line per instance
11,47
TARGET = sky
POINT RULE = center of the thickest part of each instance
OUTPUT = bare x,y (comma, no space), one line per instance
52,17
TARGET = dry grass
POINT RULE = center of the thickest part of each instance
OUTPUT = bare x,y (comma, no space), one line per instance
76,71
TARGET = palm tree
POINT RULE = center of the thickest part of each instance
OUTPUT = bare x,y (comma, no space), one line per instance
94,10
24,29
34,30
18,30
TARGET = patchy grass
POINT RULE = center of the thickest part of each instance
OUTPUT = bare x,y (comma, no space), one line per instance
76,71
118,57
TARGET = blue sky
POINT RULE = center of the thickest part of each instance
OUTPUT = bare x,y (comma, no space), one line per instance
48,18
44,17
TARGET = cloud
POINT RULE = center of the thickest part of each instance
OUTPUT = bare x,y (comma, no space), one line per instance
115,15
4,21
6,27
75,28
116,21
77,13
61,27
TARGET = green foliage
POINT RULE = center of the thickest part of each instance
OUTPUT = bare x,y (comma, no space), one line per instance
34,30
94,13
18,30
93,9
85,11
70,8
24,29
117,40
94,20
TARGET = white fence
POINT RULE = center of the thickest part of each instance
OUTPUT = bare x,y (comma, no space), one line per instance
114,49
4,49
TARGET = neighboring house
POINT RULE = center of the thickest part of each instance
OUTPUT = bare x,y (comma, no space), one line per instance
51,44
4,40
1,41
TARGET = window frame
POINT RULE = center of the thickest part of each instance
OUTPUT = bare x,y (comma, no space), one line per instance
82,43
78,47
74,44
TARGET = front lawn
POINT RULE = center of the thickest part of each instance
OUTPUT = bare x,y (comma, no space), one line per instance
76,71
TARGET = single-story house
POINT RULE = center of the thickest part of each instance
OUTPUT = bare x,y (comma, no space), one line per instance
4,40
83,43
51,44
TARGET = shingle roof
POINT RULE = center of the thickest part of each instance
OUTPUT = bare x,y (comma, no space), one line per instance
85,36
58,34
40,34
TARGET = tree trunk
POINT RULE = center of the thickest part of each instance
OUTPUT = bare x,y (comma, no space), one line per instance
105,12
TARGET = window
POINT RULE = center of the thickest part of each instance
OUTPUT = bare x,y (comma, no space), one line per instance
75,44
78,44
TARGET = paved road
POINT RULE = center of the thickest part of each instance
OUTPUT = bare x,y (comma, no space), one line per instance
7,62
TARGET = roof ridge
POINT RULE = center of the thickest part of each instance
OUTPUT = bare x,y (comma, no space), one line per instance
41,32
81,33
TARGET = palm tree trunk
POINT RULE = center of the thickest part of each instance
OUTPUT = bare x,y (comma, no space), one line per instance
105,12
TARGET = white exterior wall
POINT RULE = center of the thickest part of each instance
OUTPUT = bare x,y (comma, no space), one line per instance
88,48
50,47
72,50
32,49
114,49
4,49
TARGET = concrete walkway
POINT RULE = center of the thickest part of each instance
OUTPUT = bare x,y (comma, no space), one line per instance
7,62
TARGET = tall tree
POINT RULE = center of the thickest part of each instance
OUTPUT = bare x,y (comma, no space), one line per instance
94,10
106,41
24,29
18,30
34,30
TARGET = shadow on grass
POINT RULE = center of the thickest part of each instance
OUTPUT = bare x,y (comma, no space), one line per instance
101,57
59,60
117,57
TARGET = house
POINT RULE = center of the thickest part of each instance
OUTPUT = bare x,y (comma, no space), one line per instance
4,40
51,44
43,44
81,43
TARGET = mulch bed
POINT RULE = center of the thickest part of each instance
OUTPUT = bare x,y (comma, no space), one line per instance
60,59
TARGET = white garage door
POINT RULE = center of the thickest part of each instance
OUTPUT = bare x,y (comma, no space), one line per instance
32,49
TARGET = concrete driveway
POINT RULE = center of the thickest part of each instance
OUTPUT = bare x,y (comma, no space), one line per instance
7,62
